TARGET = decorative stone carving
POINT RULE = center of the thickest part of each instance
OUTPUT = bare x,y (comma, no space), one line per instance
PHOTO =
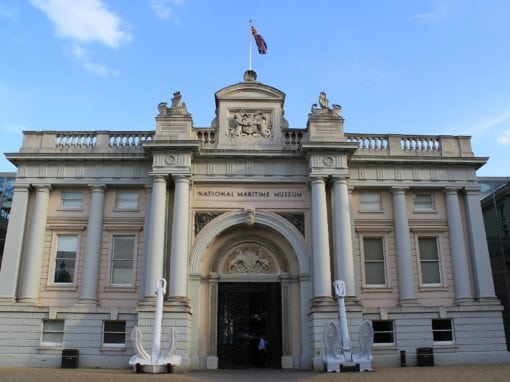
250,259
177,108
296,219
324,108
250,216
333,360
202,218
250,123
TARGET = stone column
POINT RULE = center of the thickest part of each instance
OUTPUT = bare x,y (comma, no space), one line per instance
146,228
32,262
93,245
320,240
342,236
178,285
155,255
9,274
403,248
482,271
458,252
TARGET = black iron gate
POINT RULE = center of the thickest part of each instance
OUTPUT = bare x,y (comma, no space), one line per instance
246,312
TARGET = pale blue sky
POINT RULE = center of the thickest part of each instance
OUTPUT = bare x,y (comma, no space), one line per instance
435,67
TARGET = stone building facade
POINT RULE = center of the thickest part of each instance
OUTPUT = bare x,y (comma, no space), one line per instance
250,221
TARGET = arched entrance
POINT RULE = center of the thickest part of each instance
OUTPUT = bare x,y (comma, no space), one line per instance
253,280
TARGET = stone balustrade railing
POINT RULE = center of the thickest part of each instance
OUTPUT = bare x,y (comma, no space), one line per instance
384,145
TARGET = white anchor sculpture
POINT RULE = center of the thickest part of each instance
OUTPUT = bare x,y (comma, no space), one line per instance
333,360
156,362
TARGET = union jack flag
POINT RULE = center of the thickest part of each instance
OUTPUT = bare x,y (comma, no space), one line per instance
259,40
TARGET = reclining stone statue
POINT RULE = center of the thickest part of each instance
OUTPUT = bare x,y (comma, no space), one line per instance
156,362
333,360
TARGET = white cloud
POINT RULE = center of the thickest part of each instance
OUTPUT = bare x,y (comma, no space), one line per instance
8,12
504,137
164,9
437,14
84,58
84,21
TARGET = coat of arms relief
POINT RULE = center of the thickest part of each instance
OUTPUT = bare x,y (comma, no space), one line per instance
250,123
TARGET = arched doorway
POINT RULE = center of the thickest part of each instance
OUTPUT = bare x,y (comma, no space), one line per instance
266,263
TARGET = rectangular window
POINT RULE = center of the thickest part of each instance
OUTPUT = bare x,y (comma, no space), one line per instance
429,260
65,258
52,332
114,333
423,202
72,199
127,200
375,273
384,332
123,259
442,330
370,201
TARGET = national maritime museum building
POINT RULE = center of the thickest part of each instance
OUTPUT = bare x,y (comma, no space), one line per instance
250,221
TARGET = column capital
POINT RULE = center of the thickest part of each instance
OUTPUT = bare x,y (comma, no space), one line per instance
97,187
317,178
181,178
158,178
17,187
340,179
472,190
42,187
397,190
451,190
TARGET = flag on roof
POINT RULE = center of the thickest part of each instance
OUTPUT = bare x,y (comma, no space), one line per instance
259,40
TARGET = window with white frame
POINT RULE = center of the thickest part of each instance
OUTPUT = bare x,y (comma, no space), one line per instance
52,332
127,200
384,331
373,256
429,260
123,260
423,202
65,258
114,333
370,201
72,199
442,330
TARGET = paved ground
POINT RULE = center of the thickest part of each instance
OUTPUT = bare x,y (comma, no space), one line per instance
471,373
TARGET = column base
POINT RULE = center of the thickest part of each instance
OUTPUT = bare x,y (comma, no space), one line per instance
323,304
7,300
489,300
28,301
465,301
408,302
178,303
87,302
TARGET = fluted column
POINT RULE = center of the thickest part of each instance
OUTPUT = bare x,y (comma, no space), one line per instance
93,245
33,260
482,271
320,240
178,285
458,252
342,236
9,274
154,258
403,248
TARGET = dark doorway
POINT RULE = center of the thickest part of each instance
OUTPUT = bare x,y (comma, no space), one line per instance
247,311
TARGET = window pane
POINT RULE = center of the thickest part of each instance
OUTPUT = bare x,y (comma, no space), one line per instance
114,332
442,330
123,247
54,338
383,331
373,248
122,273
53,331
428,248
72,199
370,201
430,273
65,258
441,325
374,273
127,199
423,202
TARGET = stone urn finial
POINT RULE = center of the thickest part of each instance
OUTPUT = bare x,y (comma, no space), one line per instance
250,75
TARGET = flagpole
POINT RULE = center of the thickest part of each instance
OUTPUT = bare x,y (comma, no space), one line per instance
249,66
